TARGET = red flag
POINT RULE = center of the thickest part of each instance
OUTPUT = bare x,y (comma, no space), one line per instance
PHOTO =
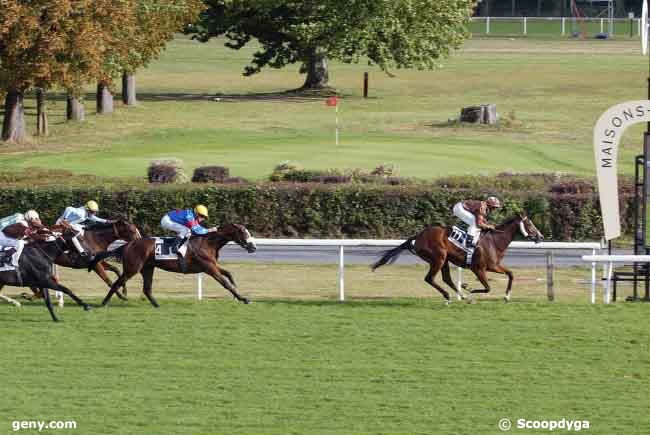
332,101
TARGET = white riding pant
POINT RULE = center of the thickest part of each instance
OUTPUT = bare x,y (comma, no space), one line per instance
14,243
179,229
461,213
75,240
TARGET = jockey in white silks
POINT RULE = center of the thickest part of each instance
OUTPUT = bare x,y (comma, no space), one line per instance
13,235
77,216
474,214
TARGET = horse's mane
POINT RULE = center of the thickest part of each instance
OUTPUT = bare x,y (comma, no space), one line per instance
99,226
509,221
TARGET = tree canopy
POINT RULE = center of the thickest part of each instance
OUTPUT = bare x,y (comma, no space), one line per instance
392,34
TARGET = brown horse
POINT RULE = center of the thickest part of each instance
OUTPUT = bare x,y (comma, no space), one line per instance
202,255
97,238
433,246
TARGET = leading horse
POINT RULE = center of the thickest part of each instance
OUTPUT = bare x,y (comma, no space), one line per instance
202,254
433,246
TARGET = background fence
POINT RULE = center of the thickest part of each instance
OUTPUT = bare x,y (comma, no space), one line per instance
545,249
552,26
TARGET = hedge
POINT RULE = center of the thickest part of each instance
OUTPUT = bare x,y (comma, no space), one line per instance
316,210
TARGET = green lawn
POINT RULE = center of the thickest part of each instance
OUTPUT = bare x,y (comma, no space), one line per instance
549,94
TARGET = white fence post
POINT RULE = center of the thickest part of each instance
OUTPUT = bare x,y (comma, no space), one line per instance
487,26
525,25
563,26
593,279
341,274
199,286
57,294
608,282
459,282
601,25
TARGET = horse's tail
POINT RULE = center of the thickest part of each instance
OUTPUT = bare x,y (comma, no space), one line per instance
115,253
391,255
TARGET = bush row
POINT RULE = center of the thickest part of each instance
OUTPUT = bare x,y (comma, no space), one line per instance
317,210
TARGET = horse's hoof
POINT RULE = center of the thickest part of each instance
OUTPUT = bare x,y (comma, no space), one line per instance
464,286
470,301
245,301
506,299
87,307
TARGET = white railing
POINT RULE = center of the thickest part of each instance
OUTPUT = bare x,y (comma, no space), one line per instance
609,261
491,24
343,243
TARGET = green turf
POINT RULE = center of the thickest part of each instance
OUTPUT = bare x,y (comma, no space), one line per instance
549,94
402,366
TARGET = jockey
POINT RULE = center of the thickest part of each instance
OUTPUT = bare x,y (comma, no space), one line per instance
77,217
14,235
185,223
474,214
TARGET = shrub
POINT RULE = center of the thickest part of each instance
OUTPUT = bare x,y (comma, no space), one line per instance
210,174
166,171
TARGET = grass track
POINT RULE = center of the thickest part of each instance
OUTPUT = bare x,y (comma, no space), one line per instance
298,362
401,366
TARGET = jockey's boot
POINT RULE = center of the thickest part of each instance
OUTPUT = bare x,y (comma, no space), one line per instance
181,258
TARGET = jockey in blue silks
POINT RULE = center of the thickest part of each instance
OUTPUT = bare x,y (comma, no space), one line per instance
185,222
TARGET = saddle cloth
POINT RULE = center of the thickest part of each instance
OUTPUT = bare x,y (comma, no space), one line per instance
165,248
459,238
6,255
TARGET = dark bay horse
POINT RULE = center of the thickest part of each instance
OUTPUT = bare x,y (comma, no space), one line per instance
202,255
97,238
433,246
35,266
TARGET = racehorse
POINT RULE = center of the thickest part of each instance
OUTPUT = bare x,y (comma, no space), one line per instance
35,266
97,238
433,246
202,255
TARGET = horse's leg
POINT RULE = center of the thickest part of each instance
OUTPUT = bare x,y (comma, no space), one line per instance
7,298
108,266
99,270
48,304
228,275
434,268
216,272
36,294
446,277
61,288
504,270
482,277
147,278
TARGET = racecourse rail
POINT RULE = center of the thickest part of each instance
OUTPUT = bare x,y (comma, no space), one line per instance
608,262
341,244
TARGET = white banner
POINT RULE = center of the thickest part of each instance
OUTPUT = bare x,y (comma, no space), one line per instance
607,134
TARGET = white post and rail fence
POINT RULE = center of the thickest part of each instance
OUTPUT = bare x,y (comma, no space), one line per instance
545,248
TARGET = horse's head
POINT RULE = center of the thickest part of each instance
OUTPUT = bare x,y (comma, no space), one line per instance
238,234
125,230
528,229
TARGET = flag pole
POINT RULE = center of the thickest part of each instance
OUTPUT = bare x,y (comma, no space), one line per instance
337,115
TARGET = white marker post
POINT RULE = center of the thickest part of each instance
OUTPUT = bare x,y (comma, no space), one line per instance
333,101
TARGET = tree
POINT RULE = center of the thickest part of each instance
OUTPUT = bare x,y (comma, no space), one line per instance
389,33
153,26
46,44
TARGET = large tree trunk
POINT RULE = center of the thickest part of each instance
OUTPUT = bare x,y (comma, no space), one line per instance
104,98
13,126
42,125
316,69
128,89
75,109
